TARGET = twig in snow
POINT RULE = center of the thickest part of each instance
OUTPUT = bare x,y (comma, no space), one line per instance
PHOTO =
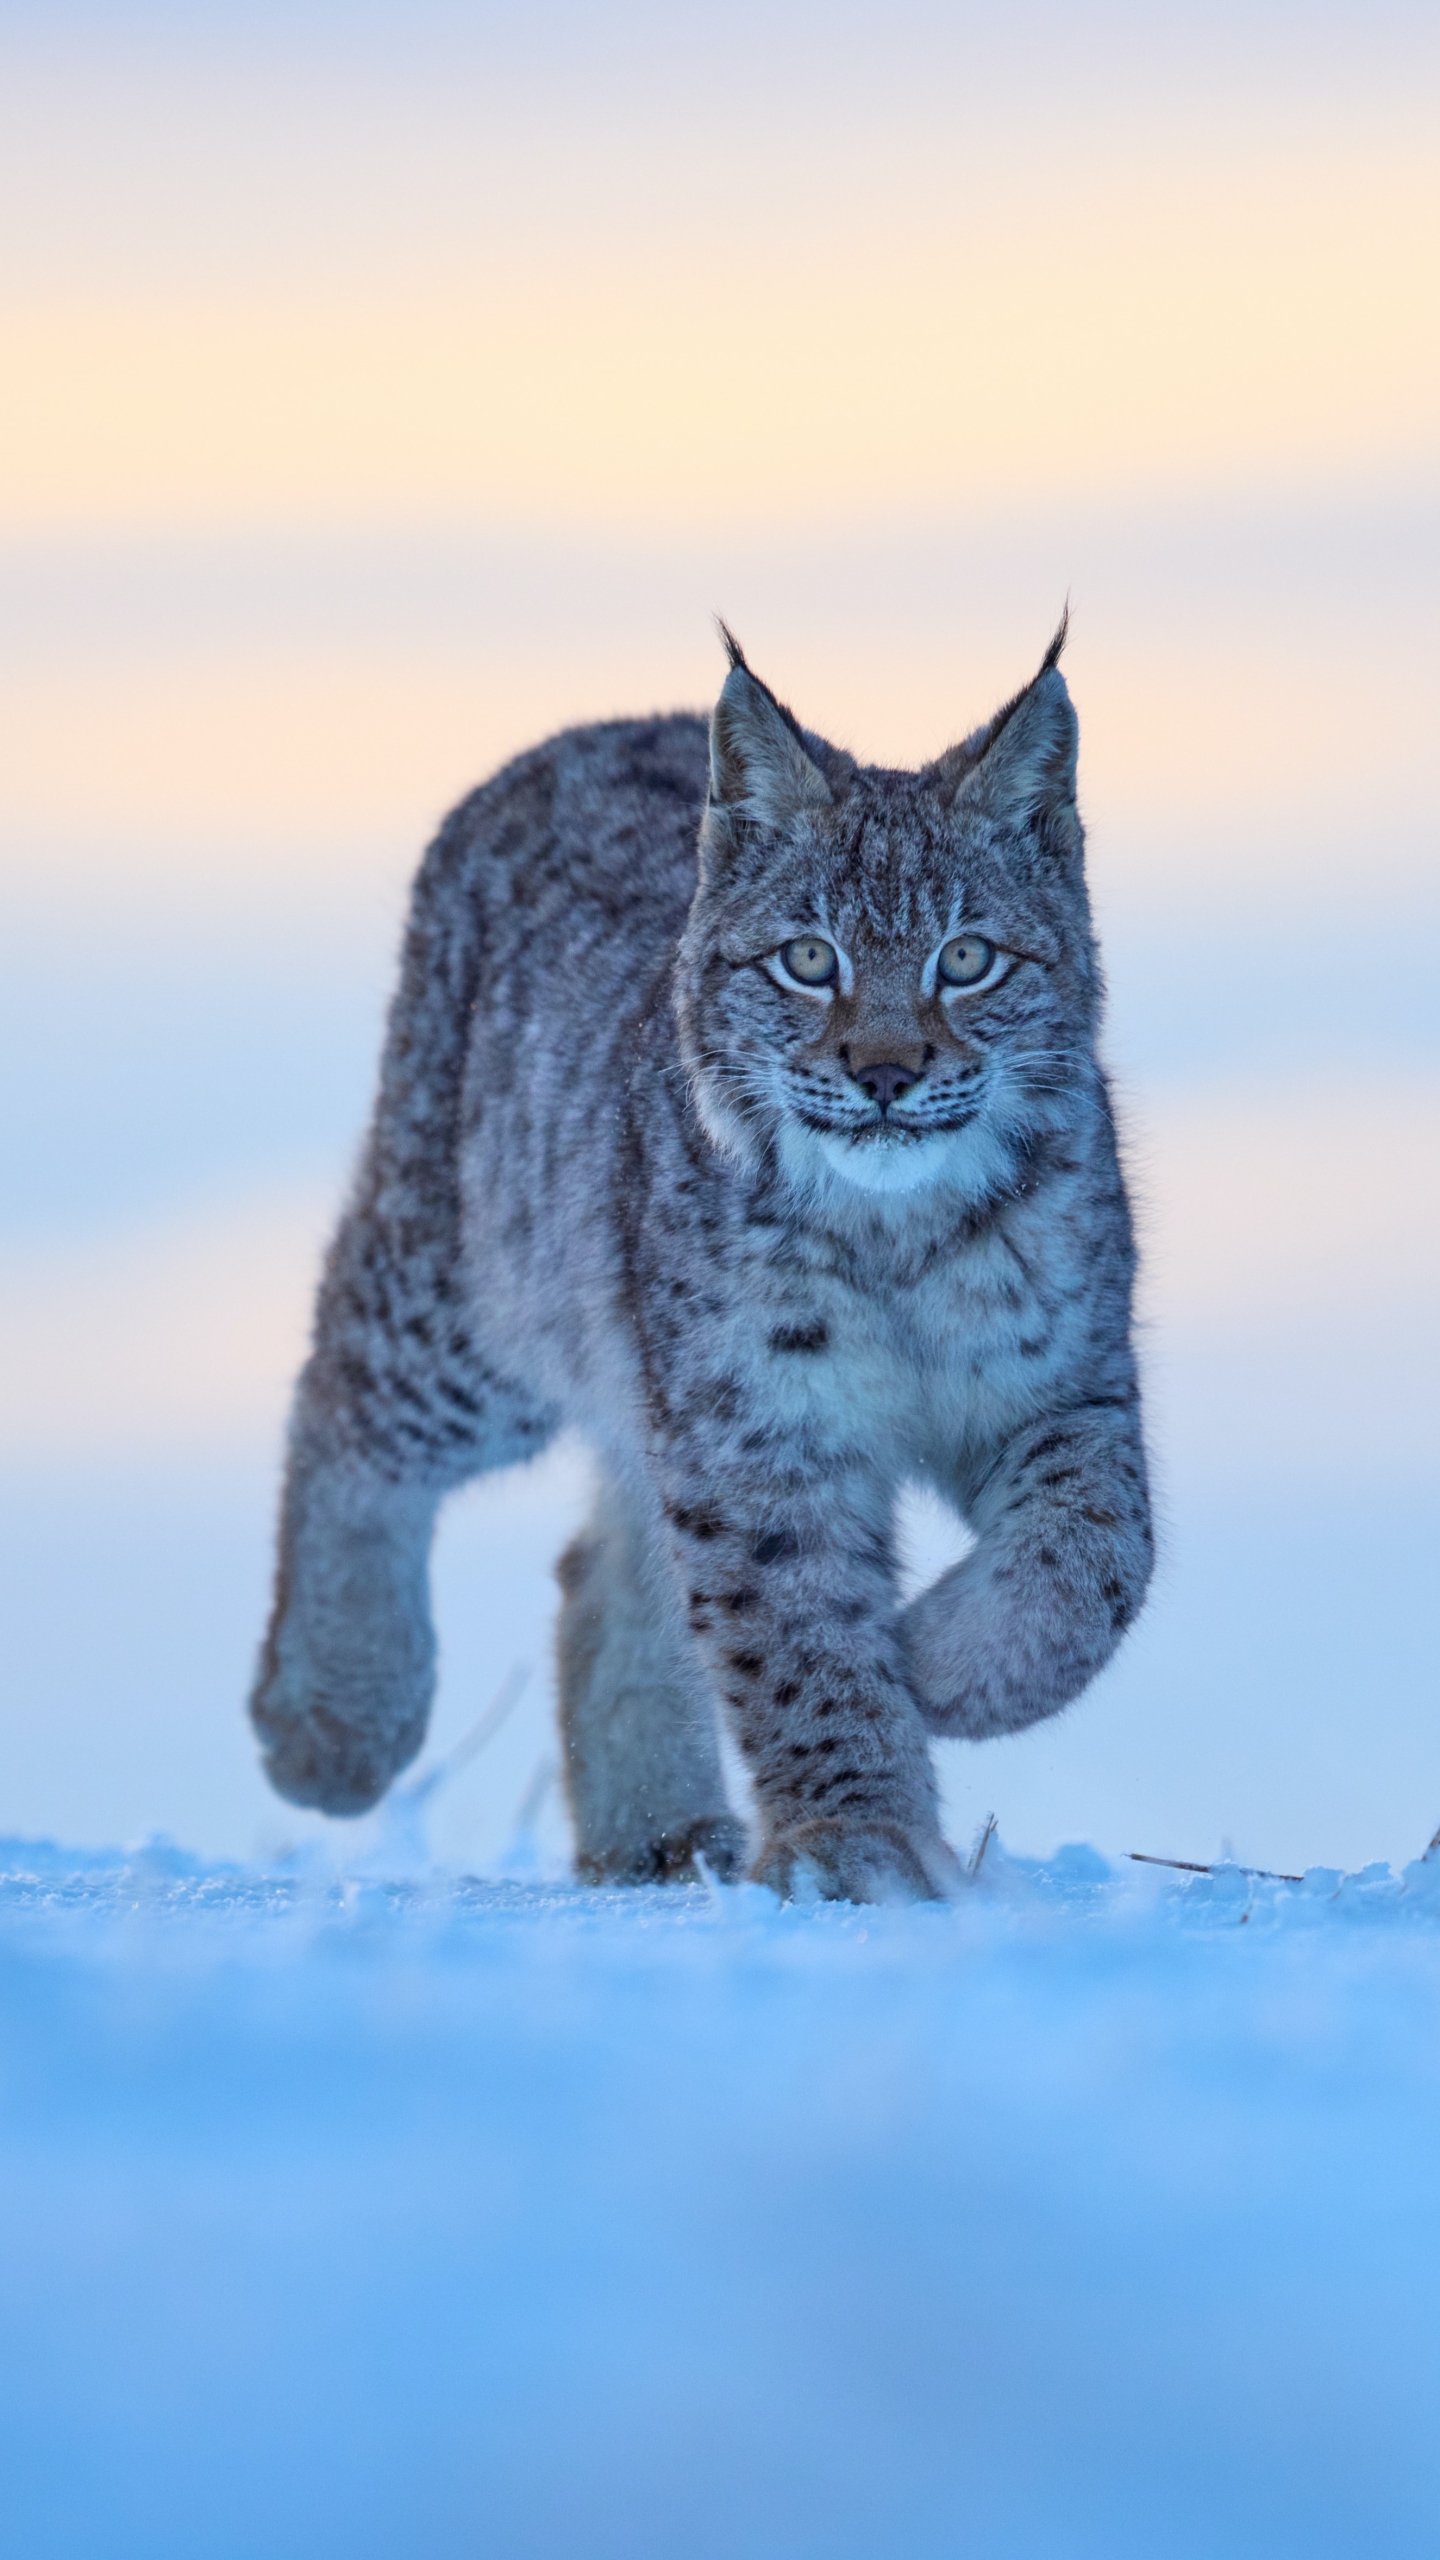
507,1697
1193,1867
977,1854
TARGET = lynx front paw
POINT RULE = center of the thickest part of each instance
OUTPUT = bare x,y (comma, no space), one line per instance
673,1857
873,1862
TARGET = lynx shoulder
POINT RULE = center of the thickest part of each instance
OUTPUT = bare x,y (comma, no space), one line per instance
740,1107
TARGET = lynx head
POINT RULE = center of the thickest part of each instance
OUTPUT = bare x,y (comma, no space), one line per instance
888,979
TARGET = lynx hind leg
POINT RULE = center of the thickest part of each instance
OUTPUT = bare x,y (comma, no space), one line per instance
398,1401
642,1763
346,1676
394,1408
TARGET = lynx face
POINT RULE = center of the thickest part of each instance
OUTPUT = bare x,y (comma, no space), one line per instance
890,977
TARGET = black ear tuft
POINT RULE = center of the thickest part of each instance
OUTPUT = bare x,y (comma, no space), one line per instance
733,650
761,769
1022,763
1048,666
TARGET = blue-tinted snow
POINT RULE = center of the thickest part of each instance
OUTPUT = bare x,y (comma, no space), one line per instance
1098,2214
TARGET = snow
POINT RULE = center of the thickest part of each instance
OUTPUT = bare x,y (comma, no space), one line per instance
400,2212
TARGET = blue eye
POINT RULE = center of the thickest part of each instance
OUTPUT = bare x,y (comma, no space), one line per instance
966,960
809,961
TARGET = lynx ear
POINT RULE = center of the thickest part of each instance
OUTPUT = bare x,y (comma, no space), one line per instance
760,767
1021,765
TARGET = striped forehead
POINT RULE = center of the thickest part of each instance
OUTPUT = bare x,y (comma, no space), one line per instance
899,874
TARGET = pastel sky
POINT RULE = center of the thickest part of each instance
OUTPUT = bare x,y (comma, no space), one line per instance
382,390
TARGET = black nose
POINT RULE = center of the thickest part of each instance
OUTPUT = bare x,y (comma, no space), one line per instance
886,1083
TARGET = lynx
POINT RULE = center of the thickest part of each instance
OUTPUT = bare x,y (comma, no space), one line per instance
739,1108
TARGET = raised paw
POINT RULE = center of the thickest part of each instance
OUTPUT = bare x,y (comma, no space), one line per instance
835,1861
673,1857
315,1756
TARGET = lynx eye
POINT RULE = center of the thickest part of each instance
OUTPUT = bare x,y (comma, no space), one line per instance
811,962
966,960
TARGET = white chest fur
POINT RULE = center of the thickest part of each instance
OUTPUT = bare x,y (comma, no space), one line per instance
916,1369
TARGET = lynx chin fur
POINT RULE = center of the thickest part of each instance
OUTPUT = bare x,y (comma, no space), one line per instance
739,1108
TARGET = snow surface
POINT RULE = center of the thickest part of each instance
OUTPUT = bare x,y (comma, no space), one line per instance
416,2215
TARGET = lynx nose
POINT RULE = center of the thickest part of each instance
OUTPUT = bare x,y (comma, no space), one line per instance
885,1083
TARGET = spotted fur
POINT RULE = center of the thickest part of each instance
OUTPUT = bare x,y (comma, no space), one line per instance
625,1175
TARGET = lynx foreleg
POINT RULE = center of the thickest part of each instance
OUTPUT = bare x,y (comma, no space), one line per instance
642,1765
789,1584
1061,1564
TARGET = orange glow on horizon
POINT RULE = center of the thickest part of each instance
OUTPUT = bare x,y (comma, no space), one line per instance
1201,330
